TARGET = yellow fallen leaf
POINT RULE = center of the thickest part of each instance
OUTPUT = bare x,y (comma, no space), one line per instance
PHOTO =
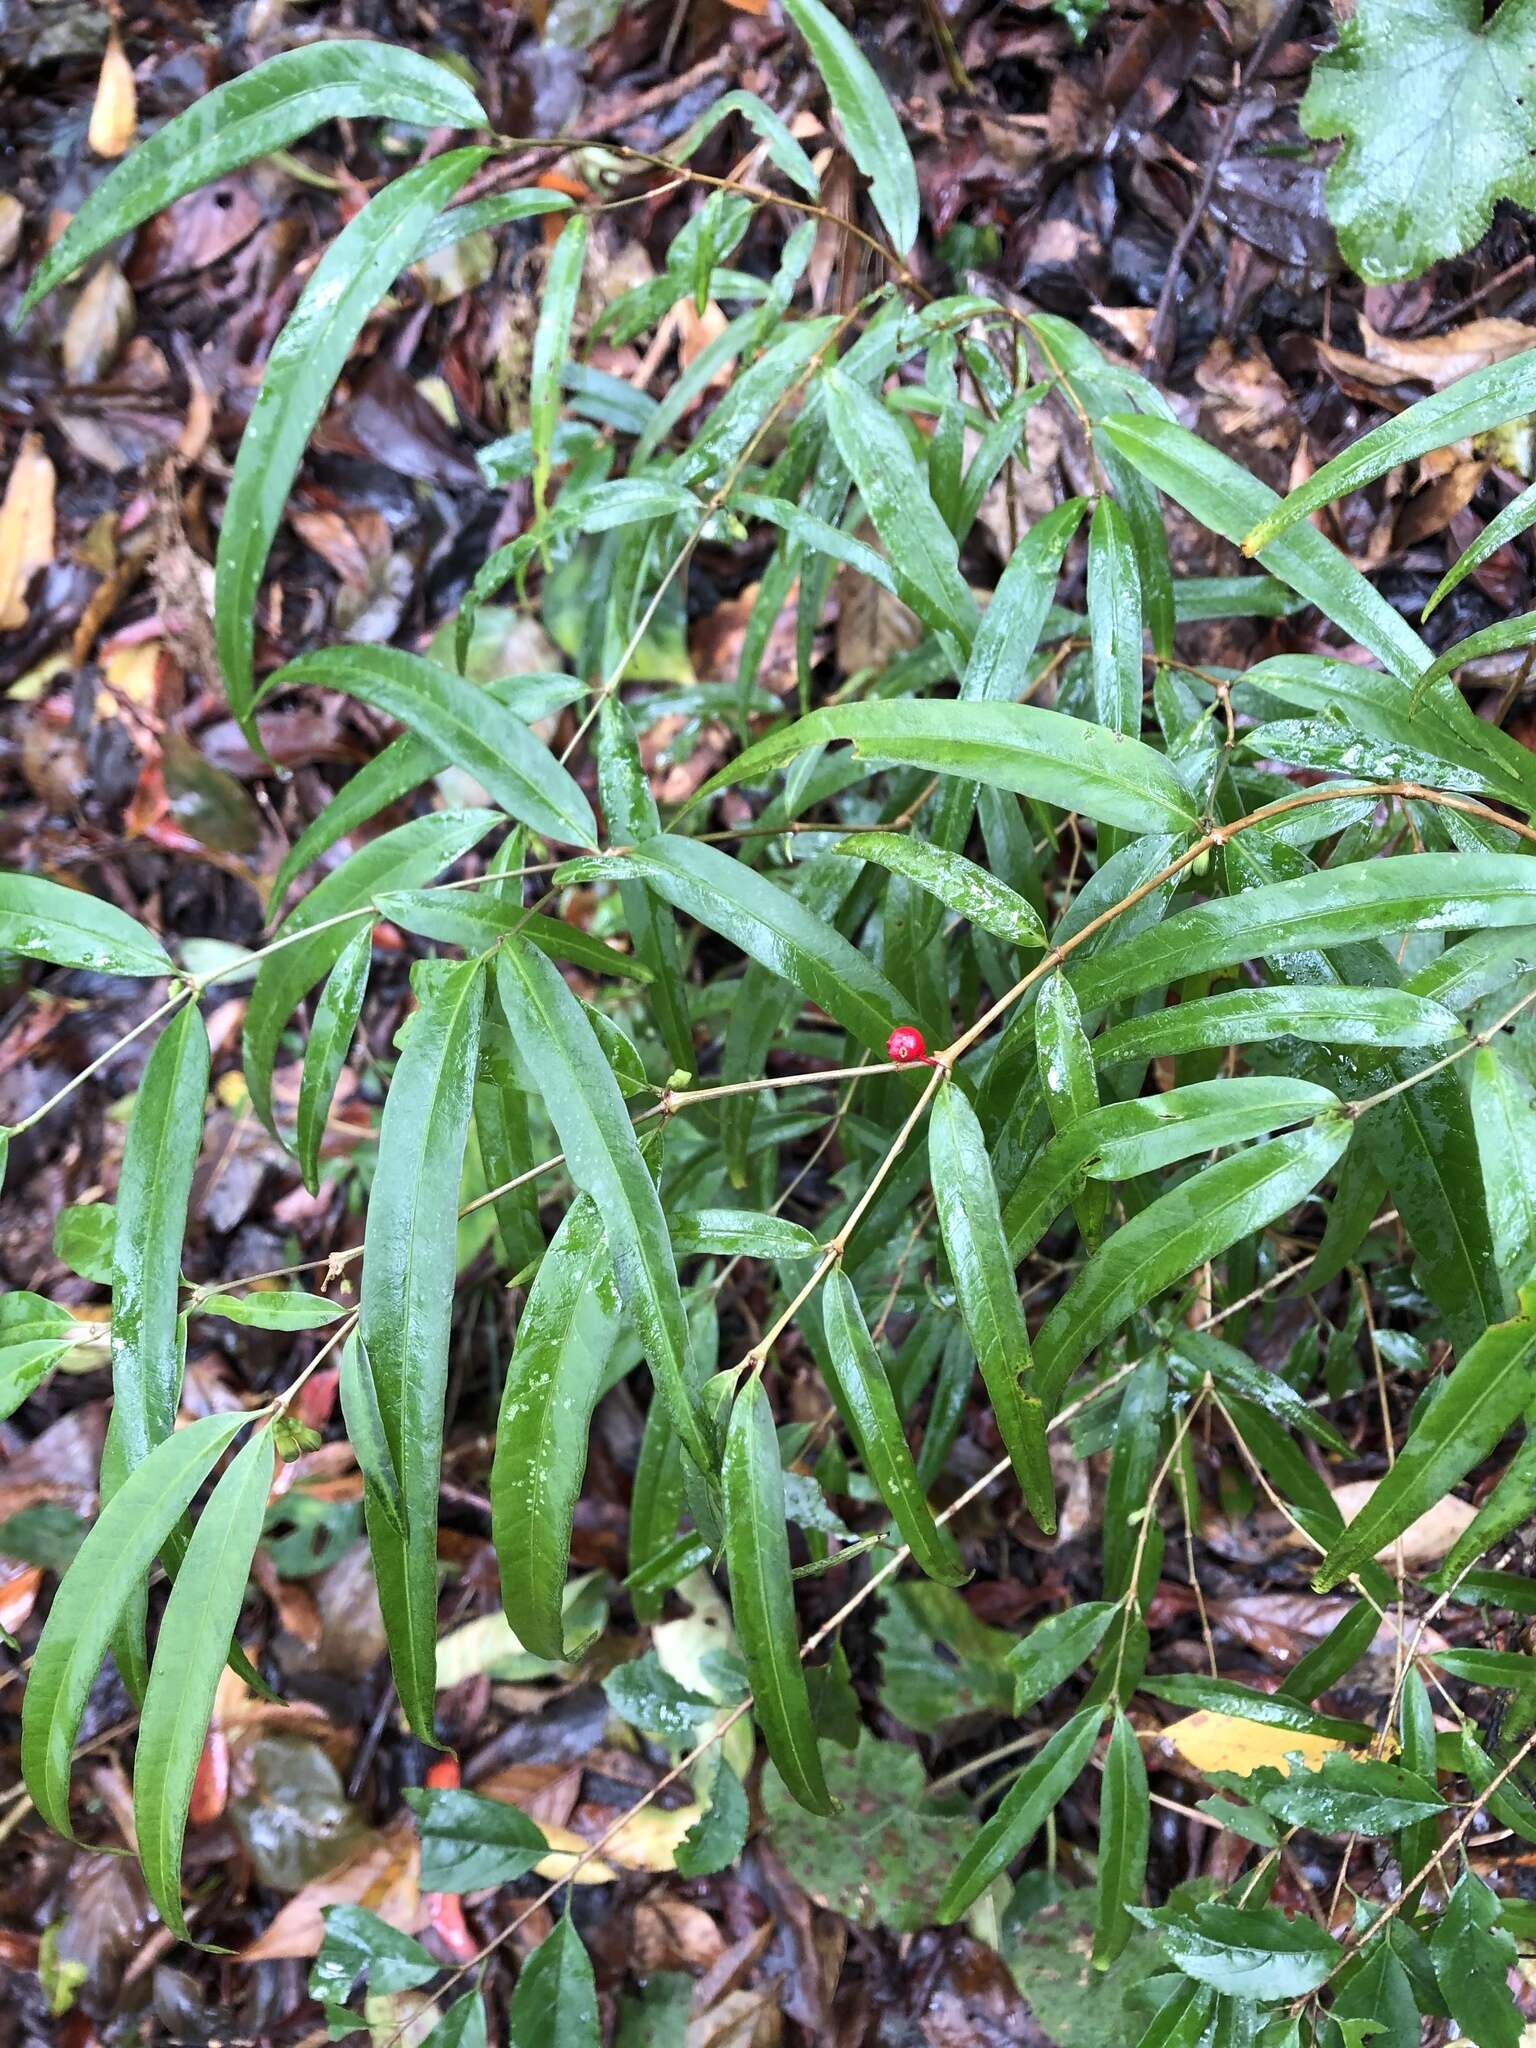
99,325
132,673
648,1840
26,528
116,112
1225,1742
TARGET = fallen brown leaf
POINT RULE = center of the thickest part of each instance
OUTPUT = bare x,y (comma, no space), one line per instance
26,528
1423,1541
115,114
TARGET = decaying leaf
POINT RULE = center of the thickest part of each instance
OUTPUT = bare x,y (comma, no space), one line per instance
26,528
115,114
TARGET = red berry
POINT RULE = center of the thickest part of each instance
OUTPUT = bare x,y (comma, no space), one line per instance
906,1044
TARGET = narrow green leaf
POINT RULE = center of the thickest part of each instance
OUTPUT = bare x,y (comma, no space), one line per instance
1034,752
603,1158
1196,1353
1504,1114
1125,1813
922,549
655,1504
401,859
165,1136
1252,1016
564,1337
1470,1409
1195,1221
1495,639
1473,404
1031,1798
115,1557
1248,1953
1245,1703
863,1394
1508,525
766,922
630,815
740,1234
1131,1545
43,920
1064,1060
869,123
1011,624
1223,496
551,343
1114,620
1055,1648
407,1310
782,147
330,1037
972,1227
302,365
496,210
1511,1502
365,1432
481,921
959,884
250,117
200,1619
1368,899
466,724
556,1995
762,1597
275,1309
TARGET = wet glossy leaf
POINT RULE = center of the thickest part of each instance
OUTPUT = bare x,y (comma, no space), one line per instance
959,884
1057,1647
1124,1824
1030,1799
551,342
1473,1957
873,133
1251,1016
556,1995
330,1038
1257,1952
42,920
469,1843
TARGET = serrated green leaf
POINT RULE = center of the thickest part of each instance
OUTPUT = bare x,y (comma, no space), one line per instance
250,117
870,127
407,1310
1031,1798
43,920
469,1843
863,1394
465,724
972,1227
1253,1952
330,1037
603,1158
719,1835
564,1336
112,1561
762,1597
1471,1408
556,1995
1473,1957
190,1651
302,365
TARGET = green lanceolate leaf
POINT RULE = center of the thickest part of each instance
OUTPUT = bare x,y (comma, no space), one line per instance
1495,639
1068,1083
250,117
1247,1952
1468,1412
1198,1220
630,815
274,1309
1011,624
304,362
768,924
864,1396
564,1337
1055,1648
405,764
922,549
1196,1353
1511,1501
465,724
330,1036
556,1995
1504,1114
365,1432
150,1217
972,1227
1127,1138
1362,900
1125,1812
655,1505
200,1618
740,1234
1252,1016
782,147
1034,752
481,921
1030,1799
42,920
762,1597
1114,620
1472,405
1345,1795
407,1310
551,342
959,884
1222,495
118,1550
869,124
496,210
402,859
1509,524
1245,1703
602,1156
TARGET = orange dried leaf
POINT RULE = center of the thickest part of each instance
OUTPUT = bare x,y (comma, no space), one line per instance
116,112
